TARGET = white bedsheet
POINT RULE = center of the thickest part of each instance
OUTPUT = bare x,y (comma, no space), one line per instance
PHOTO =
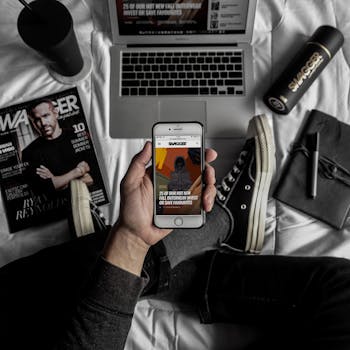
281,26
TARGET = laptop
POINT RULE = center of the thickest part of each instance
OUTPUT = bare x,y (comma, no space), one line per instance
181,60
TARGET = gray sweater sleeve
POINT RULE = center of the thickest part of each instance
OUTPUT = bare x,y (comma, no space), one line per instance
103,317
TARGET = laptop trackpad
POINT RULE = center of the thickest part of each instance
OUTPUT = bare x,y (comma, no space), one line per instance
180,110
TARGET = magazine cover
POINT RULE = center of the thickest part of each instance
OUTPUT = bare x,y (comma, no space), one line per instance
44,144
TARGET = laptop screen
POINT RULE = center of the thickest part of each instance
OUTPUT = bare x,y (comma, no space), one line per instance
182,17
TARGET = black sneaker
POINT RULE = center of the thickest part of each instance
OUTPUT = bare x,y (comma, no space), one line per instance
244,190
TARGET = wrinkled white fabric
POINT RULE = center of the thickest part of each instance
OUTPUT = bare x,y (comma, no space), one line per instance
281,27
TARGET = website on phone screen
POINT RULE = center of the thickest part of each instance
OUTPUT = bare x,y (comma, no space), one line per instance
178,175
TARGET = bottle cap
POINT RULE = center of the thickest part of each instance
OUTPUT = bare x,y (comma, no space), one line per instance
328,38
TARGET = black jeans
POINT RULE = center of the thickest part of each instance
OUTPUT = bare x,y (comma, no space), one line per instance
297,302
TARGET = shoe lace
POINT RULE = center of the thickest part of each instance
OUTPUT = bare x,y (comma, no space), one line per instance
227,182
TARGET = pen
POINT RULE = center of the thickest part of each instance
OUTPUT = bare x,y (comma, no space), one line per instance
315,145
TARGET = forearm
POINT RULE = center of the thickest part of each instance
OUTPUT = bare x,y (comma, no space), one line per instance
62,181
103,317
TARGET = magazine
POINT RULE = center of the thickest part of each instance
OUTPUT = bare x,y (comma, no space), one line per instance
44,144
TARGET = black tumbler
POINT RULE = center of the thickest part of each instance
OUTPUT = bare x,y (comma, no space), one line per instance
48,29
304,68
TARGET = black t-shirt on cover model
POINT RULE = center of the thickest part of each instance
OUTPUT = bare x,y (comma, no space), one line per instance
58,155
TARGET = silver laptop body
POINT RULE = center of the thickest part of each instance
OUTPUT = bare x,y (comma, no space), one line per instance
143,45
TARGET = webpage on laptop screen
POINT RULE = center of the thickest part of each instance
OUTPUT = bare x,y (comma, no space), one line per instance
181,17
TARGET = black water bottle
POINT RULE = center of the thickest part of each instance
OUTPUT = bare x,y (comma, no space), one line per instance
303,69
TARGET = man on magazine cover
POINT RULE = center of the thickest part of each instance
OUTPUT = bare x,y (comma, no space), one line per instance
51,159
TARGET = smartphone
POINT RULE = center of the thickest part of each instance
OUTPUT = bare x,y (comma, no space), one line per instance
178,164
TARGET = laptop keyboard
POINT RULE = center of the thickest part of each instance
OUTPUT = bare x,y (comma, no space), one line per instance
198,73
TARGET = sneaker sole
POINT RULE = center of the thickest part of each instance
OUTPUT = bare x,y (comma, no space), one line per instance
252,221
267,149
80,201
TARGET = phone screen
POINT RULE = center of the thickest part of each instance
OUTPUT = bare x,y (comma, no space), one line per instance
178,178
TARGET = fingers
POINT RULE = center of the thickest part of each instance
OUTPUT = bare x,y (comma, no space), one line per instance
209,175
44,172
210,155
138,164
209,194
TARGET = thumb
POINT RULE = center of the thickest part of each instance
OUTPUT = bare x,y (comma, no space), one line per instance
137,167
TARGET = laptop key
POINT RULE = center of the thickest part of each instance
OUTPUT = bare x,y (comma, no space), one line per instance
144,83
177,82
125,91
214,91
128,68
138,68
133,92
151,91
148,75
139,76
178,91
238,67
153,83
130,83
204,91
161,83
235,59
173,75
230,82
235,75
157,75
203,82
231,90
142,91
169,83
194,82
126,76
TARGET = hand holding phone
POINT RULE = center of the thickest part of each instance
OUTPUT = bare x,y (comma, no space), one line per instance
178,165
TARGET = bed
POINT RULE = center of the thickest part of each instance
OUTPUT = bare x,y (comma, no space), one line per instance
281,27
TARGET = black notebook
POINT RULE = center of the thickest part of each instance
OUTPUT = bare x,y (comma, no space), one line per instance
331,204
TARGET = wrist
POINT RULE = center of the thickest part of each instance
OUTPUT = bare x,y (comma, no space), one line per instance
125,250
